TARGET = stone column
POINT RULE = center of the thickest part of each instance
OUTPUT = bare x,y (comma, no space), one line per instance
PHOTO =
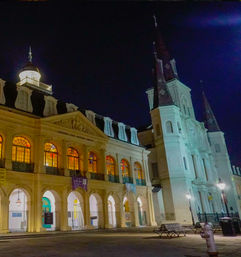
103,164
8,149
64,162
4,214
87,210
39,154
85,160
151,214
118,169
37,201
132,172
106,213
64,212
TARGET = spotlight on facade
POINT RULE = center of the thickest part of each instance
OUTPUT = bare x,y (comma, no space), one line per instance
221,185
188,196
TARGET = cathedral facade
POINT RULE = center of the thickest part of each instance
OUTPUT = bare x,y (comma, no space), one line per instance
63,168
188,158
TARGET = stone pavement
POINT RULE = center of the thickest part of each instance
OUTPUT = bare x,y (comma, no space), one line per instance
113,244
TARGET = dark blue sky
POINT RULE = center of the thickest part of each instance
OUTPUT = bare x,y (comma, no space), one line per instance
99,55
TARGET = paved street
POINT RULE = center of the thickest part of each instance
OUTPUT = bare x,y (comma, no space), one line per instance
114,244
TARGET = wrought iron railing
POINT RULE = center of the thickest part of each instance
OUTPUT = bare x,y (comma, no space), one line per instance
2,163
127,180
113,178
77,173
97,176
214,217
140,182
22,166
52,170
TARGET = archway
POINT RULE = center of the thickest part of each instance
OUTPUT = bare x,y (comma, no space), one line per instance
141,212
75,211
49,213
18,211
96,213
111,211
127,212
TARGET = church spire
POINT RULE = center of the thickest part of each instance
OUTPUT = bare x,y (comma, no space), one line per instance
162,96
209,118
30,57
169,64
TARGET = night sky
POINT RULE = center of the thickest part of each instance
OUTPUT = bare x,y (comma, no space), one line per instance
99,55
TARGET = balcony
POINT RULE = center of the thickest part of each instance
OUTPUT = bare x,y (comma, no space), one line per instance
2,163
97,176
113,178
77,173
127,180
140,182
22,166
52,170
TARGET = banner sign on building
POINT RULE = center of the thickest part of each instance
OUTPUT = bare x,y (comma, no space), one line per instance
2,176
79,182
48,218
131,187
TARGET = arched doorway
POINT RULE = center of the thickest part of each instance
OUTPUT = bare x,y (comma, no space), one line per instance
75,213
96,212
127,212
18,211
49,213
141,212
111,211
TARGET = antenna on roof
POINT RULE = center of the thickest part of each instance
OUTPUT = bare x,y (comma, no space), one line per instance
30,54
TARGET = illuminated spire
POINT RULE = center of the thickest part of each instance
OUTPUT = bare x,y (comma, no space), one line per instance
30,54
209,119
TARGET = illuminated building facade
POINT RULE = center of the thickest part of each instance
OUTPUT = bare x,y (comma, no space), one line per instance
45,143
187,157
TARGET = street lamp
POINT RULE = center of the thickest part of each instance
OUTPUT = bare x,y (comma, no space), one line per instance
221,185
188,196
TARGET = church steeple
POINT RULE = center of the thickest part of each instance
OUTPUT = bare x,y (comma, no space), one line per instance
162,96
169,64
209,118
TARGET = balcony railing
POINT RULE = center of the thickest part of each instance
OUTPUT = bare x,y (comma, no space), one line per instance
97,176
2,163
52,170
113,178
22,166
127,180
77,173
140,182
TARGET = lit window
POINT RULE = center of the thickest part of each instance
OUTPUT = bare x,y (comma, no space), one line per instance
73,159
1,146
50,155
108,129
169,127
21,150
134,138
110,165
92,162
125,168
122,131
138,171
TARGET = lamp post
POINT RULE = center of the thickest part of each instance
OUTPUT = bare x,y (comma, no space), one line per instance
188,196
221,185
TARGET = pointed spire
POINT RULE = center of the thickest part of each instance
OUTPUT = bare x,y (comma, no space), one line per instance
169,65
162,96
209,119
30,57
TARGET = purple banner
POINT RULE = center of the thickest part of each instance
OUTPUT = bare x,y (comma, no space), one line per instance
79,182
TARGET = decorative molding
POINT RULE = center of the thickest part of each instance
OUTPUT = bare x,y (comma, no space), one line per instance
2,96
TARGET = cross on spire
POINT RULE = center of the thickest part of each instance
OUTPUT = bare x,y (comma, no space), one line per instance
30,57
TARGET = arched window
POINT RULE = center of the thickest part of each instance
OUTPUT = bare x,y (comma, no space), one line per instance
169,127
138,171
21,150
110,165
1,147
125,168
73,159
92,162
50,155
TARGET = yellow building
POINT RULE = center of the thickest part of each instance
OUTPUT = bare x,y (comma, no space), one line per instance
46,145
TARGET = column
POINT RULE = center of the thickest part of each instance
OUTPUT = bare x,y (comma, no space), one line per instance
4,214
135,213
64,162
152,221
39,155
118,171
133,175
85,160
64,212
8,149
37,202
103,164
87,211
